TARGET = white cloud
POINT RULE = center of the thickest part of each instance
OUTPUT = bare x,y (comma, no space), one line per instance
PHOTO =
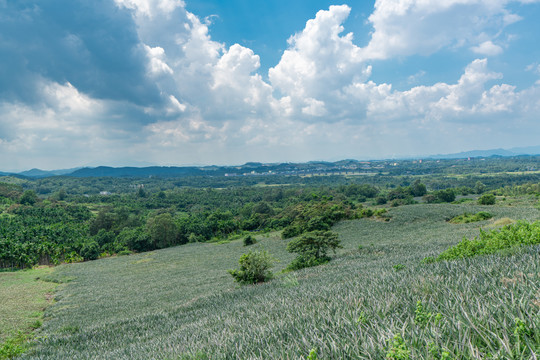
318,63
407,27
157,66
319,101
487,48
151,8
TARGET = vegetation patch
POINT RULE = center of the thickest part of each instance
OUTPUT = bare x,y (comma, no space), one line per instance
468,217
508,237
312,249
254,268
24,295
503,221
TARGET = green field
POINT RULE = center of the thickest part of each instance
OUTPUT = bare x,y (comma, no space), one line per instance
180,303
23,298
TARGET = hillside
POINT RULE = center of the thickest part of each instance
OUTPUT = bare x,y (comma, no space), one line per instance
180,303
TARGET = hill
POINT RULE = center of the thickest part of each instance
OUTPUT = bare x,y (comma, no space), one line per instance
257,168
375,298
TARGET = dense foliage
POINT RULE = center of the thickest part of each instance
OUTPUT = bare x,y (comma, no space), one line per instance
85,228
508,237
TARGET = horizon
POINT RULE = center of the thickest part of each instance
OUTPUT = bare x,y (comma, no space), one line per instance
453,156
174,83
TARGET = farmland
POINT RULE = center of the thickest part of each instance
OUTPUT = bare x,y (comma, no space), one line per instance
144,272
179,303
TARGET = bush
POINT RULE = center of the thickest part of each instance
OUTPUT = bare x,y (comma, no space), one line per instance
312,248
249,240
90,250
509,237
468,217
254,268
381,200
447,195
291,231
487,199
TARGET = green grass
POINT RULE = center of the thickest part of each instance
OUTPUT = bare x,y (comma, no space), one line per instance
23,297
180,303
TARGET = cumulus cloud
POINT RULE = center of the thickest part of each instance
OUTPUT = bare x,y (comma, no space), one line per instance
151,84
407,27
318,63
487,48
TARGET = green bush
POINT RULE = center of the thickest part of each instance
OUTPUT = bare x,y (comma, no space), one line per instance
28,198
487,199
468,217
489,242
249,240
90,250
254,268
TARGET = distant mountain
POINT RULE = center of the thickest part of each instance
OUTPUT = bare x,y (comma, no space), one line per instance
139,172
531,150
255,168
38,173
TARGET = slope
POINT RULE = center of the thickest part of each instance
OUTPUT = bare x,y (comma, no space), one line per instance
180,303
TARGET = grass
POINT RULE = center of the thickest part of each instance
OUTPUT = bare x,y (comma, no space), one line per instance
180,303
23,299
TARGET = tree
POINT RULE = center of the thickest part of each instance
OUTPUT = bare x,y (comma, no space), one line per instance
312,248
254,268
162,230
28,198
479,187
446,195
418,189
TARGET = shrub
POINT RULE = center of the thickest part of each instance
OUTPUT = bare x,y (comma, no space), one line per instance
254,268
489,242
312,248
381,200
468,217
290,231
397,349
249,240
487,199
90,250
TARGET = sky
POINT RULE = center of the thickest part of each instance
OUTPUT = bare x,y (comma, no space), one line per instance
172,82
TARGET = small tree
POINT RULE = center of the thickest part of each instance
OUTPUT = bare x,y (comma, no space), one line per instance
418,189
312,248
254,268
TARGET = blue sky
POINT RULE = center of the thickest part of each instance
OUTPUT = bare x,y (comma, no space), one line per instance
171,82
